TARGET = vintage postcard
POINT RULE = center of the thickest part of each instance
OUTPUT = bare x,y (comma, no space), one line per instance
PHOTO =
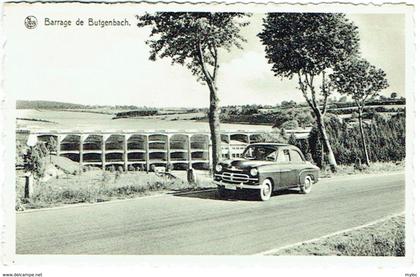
274,132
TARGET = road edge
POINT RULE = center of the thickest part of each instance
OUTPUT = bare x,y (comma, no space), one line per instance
274,250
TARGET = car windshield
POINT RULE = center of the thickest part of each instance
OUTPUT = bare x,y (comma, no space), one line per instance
260,152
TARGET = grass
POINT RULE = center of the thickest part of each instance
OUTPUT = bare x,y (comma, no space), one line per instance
374,168
95,186
386,238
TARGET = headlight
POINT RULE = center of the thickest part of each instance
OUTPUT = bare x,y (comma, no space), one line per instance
254,172
218,168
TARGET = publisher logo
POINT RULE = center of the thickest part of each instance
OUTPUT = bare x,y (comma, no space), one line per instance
31,22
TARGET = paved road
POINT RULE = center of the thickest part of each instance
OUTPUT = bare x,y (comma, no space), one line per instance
200,223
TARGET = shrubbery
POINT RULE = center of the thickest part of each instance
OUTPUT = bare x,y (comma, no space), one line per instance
96,186
385,137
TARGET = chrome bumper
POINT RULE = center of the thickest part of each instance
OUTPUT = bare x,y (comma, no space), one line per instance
236,186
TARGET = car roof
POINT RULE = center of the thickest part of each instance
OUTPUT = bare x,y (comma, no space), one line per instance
275,144
271,144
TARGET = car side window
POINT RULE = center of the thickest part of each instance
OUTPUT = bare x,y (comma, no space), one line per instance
295,157
281,158
286,154
272,156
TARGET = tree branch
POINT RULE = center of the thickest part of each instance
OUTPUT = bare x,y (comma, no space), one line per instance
310,82
325,94
303,88
216,64
207,76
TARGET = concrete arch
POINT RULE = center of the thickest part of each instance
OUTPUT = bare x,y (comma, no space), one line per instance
179,142
137,142
158,137
115,142
70,143
46,138
93,142
200,141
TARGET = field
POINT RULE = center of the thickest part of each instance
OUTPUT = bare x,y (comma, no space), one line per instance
96,121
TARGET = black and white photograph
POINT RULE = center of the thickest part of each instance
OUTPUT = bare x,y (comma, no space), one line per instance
274,131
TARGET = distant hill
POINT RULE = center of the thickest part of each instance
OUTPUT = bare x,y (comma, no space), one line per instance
47,105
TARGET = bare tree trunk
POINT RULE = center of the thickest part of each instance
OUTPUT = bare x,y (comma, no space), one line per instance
319,116
214,110
362,135
326,142
214,122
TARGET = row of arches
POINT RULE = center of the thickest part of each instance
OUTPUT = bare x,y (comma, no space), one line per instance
189,150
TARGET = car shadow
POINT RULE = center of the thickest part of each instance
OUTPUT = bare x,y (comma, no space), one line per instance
212,194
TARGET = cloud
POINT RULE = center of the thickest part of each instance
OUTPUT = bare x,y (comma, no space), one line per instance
248,79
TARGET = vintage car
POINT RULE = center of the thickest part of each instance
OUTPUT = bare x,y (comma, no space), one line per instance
264,168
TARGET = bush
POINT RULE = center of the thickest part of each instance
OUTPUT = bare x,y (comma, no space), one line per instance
290,125
34,160
385,138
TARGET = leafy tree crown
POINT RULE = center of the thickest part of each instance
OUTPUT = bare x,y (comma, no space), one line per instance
358,79
307,43
181,36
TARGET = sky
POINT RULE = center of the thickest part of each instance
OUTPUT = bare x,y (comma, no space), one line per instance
110,66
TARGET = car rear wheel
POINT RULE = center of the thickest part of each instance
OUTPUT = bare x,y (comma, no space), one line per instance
307,185
266,190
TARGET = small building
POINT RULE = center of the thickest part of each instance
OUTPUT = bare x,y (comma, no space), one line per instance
233,150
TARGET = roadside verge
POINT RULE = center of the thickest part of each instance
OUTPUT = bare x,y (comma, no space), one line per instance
382,237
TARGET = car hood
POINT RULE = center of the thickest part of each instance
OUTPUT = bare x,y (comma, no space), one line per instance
243,163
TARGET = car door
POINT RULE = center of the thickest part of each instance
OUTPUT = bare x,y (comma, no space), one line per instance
296,162
285,168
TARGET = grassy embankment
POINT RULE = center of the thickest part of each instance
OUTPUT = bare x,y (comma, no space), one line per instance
374,168
386,238
94,186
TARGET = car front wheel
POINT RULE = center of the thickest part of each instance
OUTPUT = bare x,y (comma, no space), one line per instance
266,190
222,192
307,185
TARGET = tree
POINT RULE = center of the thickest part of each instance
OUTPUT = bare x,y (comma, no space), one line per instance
362,81
343,99
52,146
34,160
194,40
394,95
308,46
290,125
293,140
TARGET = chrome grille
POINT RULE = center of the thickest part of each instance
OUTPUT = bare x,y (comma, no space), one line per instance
235,177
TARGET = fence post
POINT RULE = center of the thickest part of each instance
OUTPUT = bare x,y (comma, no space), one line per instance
29,185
